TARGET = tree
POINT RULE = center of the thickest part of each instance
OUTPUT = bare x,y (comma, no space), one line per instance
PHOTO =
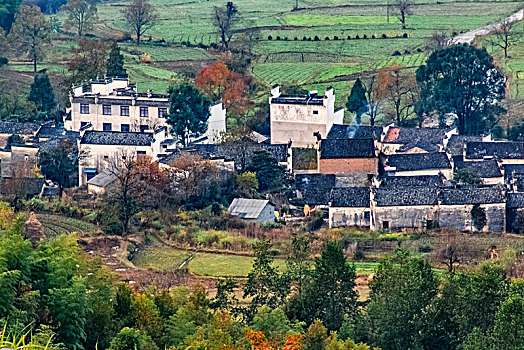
402,287
505,35
130,338
42,94
31,32
404,8
14,139
270,174
188,112
81,15
225,20
89,60
372,96
508,320
357,102
58,162
299,274
315,337
464,81
331,296
265,286
466,176
140,16
8,10
247,184
478,217
399,91
115,63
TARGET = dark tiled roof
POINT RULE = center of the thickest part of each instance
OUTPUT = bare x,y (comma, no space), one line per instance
315,181
56,132
8,127
471,195
31,186
299,100
350,197
414,135
354,131
426,146
315,196
456,143
418,161
484,168
515,200
502,150
412,181
347,148
513,169
117,138
405,196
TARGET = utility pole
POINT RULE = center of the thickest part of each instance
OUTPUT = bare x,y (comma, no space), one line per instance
387,10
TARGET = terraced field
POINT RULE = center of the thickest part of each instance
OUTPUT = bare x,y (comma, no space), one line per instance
55,225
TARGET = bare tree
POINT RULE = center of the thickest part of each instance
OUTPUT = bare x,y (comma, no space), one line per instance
437,40
140,16
224,20
371,87
505,35
404,8
399,91
81,15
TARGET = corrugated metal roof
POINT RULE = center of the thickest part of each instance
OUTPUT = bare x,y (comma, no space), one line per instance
103,179
247,208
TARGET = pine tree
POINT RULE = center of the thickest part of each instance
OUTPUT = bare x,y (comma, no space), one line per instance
357,102
42,94
115,63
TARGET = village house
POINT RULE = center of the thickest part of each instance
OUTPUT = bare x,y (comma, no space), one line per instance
25,130
48,132
354,131
314,189
505,152
415,140
417,164
473,208
456,143
102,182
346,156
514,177
413,181
488,170
350,206
255,210
297,118
397,208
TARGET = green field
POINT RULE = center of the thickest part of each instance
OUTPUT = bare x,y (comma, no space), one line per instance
210,264
55,225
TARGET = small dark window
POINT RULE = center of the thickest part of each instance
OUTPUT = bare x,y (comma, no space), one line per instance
124,127
144,128
162,112
106,157
385,225
83,124
84,108
144,112
315,112
141,153
124,111
107,126
106,109
366,215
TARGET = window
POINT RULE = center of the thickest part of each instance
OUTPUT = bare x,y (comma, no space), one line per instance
124,111
141,153
107,126
144,128
106,109
106,157
385,225
124,127
84,108
83,124
366,215
162,112
315,112
144,112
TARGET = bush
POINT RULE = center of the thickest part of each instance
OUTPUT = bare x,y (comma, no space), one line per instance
397,53
419,50
335,37
278,37
286,38
357,37
269,37
36,204
316,38
365,36
407,52
296,38
425,249
359,255
373,36
304,38
384,36
309,39
349,37
3,61
405,35
326,38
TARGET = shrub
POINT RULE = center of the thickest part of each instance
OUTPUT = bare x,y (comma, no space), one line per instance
335,37
3,61
326,38
309,39
407,52
278,37
286,38
396,53
425,249
349,37
405,35
296,38
316,38
365,36
357,37
304,38
359,255
384,36
36,204
373,36
419,50
269,37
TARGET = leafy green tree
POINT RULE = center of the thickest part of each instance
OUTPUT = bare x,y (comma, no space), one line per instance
265,286
315,337
115,63
508,329
247,184
466,176
299,274
58,163
132,339
403,286
331,296
8,9
14,139
271,321
478,217
357,102
42,94
140,16
270,174
31,32
188,112
462,80
225,297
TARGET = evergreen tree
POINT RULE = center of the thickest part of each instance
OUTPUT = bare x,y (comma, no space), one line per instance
357,102
270,174
188,112
42,94
115,63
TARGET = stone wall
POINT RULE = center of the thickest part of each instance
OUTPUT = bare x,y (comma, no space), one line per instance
403,217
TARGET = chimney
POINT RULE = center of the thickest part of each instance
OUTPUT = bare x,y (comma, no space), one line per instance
275,91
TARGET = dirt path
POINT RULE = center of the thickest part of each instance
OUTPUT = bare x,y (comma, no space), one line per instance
468,37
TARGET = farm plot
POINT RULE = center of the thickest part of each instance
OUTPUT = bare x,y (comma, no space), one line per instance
55,225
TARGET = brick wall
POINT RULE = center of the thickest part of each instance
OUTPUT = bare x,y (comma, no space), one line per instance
341,166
